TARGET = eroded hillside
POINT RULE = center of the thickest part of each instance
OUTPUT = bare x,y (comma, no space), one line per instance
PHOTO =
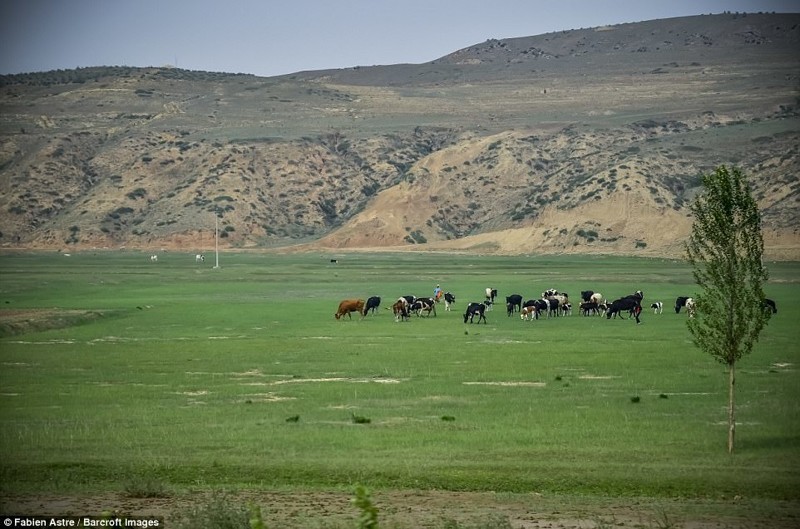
586,140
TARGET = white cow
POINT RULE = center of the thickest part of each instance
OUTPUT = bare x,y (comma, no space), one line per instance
153,258
691,307
199,258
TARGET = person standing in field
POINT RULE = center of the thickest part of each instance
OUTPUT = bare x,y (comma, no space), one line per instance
437,293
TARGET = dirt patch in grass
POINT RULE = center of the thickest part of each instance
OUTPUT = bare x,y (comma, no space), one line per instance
21,321
430,509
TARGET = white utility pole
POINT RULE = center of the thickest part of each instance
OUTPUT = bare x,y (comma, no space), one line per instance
216,240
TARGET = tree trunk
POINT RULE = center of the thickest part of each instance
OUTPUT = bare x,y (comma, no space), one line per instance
731,408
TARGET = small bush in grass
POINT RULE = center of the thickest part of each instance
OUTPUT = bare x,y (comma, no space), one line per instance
218,513
358,419
494,521
635,399
145,487
448,418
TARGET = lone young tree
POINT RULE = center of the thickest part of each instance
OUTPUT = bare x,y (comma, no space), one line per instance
725,250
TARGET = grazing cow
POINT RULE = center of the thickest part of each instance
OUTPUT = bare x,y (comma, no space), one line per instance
691,307
350,305
551,306
680,303
449,299
426,305
529,312
657,307
588,307
557,302
514,301
597,297
400,310
770,305
629,303
473,309
153,258
586,295
372,304
199,258
491,293
542,306
409,299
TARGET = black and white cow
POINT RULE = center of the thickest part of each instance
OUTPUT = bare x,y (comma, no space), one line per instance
372,304
657,307
449,300
513,302
426,305
542,307
491,294
409,299
473,309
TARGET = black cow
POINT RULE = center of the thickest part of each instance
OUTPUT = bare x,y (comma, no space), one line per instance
449,299
372,304
770,305
680,303
586,295
633,304
514,301
473,309
589,307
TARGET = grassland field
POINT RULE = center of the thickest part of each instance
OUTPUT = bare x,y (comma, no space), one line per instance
239,377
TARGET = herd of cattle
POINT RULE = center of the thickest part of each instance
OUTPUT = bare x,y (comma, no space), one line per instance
552,303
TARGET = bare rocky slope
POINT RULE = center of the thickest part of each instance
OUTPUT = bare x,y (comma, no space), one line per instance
588,140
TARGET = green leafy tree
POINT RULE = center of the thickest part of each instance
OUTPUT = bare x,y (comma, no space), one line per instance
725,250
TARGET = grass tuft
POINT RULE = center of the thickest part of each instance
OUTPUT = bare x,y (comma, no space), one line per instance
218,513
145,487
358,419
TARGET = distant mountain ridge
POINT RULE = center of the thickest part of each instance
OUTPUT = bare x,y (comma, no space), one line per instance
588,140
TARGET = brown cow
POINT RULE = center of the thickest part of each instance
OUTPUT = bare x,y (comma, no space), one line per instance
350,305
400,310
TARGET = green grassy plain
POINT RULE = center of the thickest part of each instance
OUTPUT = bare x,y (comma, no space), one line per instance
189,374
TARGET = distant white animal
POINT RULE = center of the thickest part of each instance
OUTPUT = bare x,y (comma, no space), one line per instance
153,258
691,307
199,258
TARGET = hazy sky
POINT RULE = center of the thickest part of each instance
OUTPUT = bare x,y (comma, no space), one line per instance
273,37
